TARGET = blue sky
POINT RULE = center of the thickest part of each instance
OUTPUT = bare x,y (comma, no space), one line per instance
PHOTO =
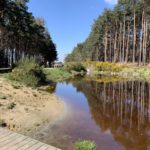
68,21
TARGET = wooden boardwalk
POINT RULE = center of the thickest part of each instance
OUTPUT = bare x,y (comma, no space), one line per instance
14,141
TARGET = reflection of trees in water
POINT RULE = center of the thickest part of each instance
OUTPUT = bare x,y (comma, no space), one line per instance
121,107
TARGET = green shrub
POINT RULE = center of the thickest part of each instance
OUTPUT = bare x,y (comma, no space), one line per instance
107,66
72,66
28,72
3,97
11,106
57,74
2,123
85,145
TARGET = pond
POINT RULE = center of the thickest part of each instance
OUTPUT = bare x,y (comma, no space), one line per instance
113,113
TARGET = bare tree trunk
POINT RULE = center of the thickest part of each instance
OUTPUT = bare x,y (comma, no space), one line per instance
146,35
128,40
124,30
106,41
115,47
120,41
144,38
110,49
134,39
141,40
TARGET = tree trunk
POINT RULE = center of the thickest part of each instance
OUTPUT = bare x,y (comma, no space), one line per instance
110,49
120,41
128,40
144,38
106,41
123,49
141,40
115,47
134,39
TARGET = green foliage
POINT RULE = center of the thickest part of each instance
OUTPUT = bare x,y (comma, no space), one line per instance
136,72
104,66
11,105
110,67
2,123
73,66
85,145
57,74
116,35
3,97
28,72
28,36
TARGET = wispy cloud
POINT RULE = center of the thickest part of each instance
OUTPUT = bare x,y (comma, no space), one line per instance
111,1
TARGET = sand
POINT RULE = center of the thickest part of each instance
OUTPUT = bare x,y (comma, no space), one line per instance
32,108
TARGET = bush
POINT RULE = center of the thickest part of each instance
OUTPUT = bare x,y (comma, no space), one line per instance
57,74
110,67
28,72
2,123
78,67
85,145
11,106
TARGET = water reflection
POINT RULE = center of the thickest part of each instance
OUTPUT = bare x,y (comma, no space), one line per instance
122,107
115,114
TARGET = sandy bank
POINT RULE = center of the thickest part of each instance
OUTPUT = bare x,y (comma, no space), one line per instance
25,110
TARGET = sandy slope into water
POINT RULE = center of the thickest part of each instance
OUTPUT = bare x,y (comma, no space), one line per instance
33,108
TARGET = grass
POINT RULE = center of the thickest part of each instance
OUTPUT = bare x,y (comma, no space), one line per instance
68,71
28,72
121,70
57,74
136,72
85,145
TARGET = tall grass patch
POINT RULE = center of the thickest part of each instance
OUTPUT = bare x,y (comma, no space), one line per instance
85,145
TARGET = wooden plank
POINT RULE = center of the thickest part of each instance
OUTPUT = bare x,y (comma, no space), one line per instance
9,139
13,141
44,147
6,138
28,145
2,135
21,144
52,148
37,146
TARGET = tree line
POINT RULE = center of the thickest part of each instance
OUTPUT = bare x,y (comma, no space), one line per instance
22,35
119,35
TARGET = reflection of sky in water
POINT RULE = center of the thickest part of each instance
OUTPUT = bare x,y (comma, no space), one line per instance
113,115
69,93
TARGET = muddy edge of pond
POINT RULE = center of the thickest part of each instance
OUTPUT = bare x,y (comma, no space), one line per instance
26,110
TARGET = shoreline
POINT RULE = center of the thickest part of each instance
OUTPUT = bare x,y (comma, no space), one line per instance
127,71
26,110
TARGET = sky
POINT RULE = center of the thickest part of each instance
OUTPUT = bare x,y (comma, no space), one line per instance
69,21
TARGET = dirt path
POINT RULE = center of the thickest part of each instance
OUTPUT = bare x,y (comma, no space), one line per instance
25,109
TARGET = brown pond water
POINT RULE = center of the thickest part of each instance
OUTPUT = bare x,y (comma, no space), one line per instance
116,115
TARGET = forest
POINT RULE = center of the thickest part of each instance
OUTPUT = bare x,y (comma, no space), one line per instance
22,35
119,35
